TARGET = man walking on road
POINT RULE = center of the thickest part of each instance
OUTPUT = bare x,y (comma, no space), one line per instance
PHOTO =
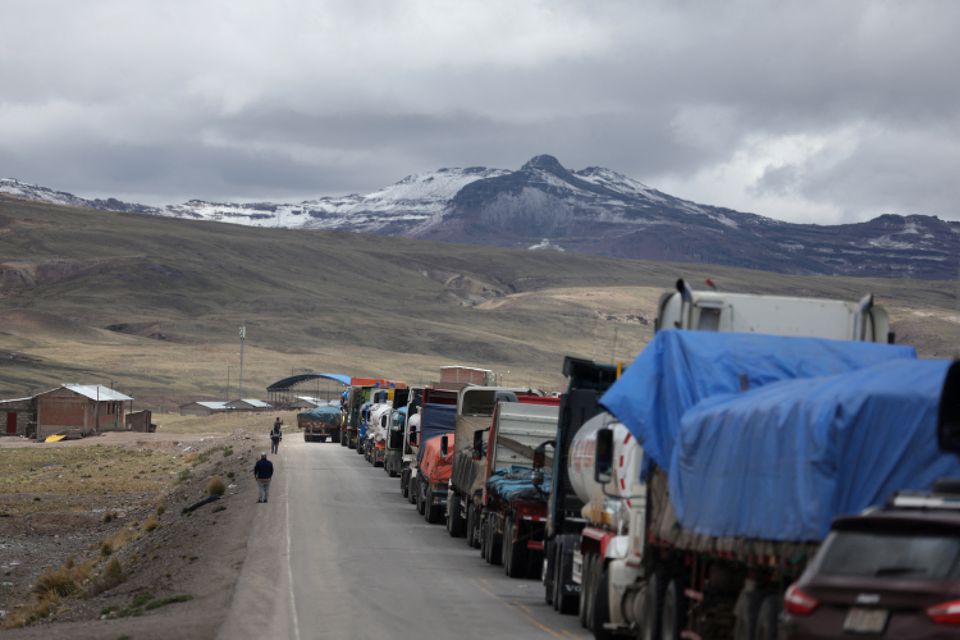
275,436
263,471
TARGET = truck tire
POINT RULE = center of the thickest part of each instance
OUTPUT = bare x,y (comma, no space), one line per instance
496,545
514,553
563,601
546,573
652,600
673,611
473,534
457,525
306,438
745,612
432,511
412,490
768,618
600,608
421,499
323,438
586,590
482,535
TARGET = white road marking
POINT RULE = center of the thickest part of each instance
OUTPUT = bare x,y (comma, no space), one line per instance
293,597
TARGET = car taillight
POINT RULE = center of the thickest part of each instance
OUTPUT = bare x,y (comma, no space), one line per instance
945,612
798,603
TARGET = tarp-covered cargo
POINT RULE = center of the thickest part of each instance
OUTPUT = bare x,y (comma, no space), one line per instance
516,482
324,413
436,419
434,467
780,462
678,369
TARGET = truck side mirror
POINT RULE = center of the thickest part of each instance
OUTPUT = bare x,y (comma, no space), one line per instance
413,437
478,444
603,459
444,446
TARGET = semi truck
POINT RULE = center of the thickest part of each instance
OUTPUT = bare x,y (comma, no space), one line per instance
359,393
744,477
437,417
515,489
393,450
436,465
320,424
685,309
475,408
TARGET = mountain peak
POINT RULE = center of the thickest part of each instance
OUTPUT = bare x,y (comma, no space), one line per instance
546,163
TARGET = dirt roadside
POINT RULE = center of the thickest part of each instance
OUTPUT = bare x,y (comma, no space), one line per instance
178,569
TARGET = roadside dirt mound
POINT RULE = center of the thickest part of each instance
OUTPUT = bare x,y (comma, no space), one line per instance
177,568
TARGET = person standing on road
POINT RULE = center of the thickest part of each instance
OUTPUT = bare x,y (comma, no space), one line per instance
276,435
263,471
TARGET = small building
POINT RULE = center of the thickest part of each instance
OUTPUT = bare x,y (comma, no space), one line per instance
248,404
81,408
203,408
140,421
18,417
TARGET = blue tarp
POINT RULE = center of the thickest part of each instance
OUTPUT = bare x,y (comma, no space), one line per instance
435,420
516,481
678,369
779,463
326,413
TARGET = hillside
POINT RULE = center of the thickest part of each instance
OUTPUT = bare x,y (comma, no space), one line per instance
595,211
154,303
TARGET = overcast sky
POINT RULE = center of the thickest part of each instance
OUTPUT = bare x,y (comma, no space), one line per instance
801,110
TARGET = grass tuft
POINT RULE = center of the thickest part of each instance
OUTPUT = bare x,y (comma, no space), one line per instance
216,486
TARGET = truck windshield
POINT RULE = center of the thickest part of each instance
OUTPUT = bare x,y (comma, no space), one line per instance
911,556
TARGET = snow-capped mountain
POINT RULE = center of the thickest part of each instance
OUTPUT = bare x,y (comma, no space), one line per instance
543,205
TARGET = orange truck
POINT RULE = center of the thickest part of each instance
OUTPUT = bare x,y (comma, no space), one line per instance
436,466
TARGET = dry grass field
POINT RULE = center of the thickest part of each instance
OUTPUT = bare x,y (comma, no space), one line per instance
153,305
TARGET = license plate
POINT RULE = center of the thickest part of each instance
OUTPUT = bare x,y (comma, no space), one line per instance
866,620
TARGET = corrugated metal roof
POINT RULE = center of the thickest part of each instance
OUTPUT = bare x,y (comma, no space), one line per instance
211,404
253,402
97,392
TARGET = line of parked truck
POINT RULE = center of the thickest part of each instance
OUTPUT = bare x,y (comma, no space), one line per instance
762,470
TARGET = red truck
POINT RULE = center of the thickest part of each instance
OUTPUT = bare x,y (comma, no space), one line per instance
515,491
436,465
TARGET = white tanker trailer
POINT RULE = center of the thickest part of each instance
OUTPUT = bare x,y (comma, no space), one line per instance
614,503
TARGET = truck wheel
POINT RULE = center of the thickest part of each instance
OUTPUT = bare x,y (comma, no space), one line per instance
412,490
432,511
514,555
600,607
421,499
496,545
586,595
323,438
473,538
748,605
546,574
456,517
652,600
484,538
673,611
564,601
768,618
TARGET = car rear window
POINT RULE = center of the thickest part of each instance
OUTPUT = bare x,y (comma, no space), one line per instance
907,556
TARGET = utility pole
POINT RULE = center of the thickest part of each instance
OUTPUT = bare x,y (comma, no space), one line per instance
243,337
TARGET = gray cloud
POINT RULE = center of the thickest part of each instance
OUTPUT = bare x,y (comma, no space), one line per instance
815,110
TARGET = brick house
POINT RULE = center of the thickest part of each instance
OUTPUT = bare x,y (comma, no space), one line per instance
82,408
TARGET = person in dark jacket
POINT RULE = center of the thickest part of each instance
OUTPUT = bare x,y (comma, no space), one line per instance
263,471
275,436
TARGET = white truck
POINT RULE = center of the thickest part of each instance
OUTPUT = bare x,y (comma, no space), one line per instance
587,563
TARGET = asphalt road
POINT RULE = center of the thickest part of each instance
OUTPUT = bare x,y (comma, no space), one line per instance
338,553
